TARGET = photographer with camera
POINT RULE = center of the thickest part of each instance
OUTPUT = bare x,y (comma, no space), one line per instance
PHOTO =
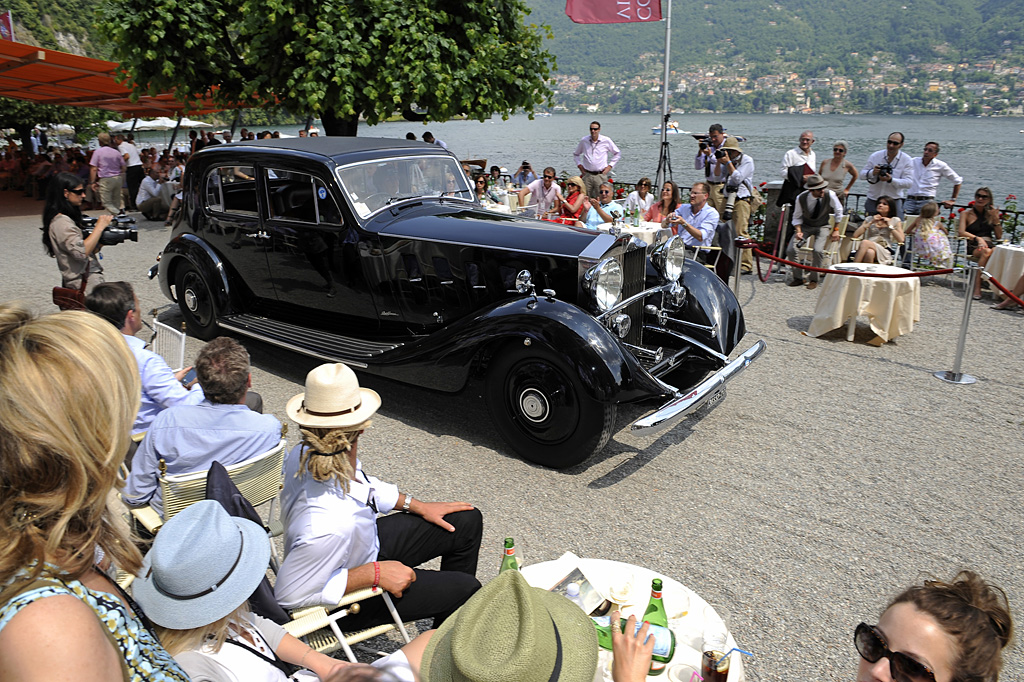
77,254
525,175
739,194
888,172
710,159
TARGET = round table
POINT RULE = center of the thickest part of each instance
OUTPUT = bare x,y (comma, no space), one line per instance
1006,264
689,615
892,305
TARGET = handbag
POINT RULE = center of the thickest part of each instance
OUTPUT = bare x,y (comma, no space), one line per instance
67,298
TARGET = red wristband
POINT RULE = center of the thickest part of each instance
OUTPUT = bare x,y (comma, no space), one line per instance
376,575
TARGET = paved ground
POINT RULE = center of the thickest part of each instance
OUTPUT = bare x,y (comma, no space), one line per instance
833,475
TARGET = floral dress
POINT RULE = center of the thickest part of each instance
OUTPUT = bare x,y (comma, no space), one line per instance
931,243
143,659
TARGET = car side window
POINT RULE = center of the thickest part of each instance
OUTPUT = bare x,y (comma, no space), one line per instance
232,189
300,197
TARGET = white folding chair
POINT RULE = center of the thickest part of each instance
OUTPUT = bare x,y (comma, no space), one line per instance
169,343
319,627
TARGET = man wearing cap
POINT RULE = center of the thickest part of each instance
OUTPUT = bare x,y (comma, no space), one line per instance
714,167
811,213
334,541
739,172
595,156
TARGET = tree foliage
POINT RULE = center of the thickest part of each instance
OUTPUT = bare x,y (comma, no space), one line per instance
336,59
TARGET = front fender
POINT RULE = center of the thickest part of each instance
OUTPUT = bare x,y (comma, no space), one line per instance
607,371
711,301
189,247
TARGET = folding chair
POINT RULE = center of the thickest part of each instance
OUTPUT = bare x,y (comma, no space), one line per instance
320,630
169,343
805,254
707,255
258,479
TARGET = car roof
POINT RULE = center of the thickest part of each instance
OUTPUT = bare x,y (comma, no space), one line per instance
340,146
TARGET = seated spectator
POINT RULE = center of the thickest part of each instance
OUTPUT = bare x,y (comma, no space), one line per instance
545,195
572,205
117,303
148,199
603,210
985,227
696,221
881,233
212,634
641,198
811,212
481,192
664,207
937,632
1009,303
512,632
334,542
930,241
68,393
495,177
525,175
190,438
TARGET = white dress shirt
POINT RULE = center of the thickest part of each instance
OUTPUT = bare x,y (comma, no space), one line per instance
796,157
829,195
900,183
924,180
327,532
594,156
148,189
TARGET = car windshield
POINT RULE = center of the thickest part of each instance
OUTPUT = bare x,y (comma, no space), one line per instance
372,186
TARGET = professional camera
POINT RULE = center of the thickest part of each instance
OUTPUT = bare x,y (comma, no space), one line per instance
719,154
704,142
120,229
885,169
730,202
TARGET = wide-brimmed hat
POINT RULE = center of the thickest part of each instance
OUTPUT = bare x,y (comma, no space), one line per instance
576,180
333,399
202,566
511,632
731,143
815,181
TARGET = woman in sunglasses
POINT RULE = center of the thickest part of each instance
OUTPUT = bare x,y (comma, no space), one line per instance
641,198
836,169
938,632
666,206
977,225
76,254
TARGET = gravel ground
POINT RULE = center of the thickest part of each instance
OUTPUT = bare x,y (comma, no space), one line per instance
833,475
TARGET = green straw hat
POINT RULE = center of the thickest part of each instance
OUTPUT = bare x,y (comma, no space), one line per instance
511,632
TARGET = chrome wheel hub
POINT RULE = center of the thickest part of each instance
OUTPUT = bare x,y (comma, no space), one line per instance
534,405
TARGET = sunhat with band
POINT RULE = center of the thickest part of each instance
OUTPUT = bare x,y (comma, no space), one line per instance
202,566
731,143
333,399
815,181
511,632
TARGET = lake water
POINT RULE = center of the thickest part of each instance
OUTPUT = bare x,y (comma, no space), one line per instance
985,151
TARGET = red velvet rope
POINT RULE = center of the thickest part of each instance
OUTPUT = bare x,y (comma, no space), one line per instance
1003,289
750,244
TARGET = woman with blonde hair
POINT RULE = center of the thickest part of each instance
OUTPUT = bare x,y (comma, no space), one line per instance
572,204
65,416
930,241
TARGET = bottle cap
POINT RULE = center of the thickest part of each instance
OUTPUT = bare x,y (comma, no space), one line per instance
572,590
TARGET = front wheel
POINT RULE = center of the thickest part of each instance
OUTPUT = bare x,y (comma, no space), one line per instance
196,303
538,405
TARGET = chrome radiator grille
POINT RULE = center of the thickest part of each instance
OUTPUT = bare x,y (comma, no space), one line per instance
634,271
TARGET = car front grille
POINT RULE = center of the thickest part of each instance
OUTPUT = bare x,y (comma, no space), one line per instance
634,271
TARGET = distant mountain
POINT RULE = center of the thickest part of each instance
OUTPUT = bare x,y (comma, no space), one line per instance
816,35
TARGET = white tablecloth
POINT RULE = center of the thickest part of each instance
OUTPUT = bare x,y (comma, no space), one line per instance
892,306
678,599
1006,264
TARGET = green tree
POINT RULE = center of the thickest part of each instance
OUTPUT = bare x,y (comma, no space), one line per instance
429,59
22,116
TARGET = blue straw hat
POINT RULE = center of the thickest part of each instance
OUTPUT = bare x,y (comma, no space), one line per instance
202,566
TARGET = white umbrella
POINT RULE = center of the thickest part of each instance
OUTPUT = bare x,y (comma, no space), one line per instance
189,123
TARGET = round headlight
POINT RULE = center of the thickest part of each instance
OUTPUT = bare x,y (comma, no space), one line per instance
669,257
604,282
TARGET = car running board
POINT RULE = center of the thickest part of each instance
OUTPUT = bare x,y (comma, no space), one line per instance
312,342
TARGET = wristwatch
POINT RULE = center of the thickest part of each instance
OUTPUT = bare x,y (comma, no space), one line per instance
408,501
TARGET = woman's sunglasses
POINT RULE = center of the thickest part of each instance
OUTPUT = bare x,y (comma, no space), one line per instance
79,192
872,647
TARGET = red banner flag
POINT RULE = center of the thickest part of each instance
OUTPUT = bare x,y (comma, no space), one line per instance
6,26
612,11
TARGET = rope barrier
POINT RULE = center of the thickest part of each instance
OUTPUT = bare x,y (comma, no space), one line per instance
758,253
1003,289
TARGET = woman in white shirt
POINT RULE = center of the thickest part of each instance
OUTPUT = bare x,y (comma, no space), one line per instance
640,198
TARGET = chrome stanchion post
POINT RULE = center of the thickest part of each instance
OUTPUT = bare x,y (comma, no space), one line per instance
954,376
736,267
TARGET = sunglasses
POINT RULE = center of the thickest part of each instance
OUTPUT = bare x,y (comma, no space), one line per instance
604,191
549,177
982,196
79,192
666,189
893,143
644,184
838,149
594,129
872,647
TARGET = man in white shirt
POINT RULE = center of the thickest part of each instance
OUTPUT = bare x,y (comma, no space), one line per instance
713,164
800,155
544,193
148,198
810,214
595,156
888,174
429,138
134,172
925,172
739,169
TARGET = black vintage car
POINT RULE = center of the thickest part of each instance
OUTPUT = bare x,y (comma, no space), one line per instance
373,252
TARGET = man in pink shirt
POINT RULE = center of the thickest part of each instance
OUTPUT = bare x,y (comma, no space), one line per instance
545,195
595,156
106,167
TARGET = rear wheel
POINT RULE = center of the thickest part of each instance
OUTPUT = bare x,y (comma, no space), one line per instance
196,303
538,405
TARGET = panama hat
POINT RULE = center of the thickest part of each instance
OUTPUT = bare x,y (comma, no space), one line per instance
731,143
203,565
511,632
333,399
815,181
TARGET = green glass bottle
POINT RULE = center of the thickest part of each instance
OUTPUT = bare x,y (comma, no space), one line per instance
664,639
509,560
656,615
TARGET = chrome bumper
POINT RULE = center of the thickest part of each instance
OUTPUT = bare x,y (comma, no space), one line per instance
672,412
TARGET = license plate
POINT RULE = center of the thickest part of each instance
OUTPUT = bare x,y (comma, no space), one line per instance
713,401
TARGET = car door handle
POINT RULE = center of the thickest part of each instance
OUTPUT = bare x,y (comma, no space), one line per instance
416,279
257,235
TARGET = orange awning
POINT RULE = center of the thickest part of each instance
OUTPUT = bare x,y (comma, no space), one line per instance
46,76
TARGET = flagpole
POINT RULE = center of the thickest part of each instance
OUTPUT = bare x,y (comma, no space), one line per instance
664,163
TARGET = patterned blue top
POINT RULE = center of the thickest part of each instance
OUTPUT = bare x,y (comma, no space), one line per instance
144,658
